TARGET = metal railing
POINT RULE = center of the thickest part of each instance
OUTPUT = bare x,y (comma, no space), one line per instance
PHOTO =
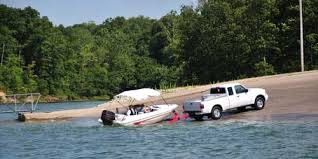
16,103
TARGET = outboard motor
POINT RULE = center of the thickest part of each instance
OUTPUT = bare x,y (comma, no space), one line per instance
107,117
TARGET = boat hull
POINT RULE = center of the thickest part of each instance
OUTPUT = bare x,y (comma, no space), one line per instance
159,114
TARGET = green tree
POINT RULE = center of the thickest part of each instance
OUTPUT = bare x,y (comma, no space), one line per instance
11,75
263,68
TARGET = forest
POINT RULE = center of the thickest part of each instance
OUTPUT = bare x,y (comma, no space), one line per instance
218,40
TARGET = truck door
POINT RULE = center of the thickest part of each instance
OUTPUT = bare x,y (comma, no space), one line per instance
241,95
233,100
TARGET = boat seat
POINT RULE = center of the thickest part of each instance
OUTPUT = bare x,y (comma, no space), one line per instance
122,110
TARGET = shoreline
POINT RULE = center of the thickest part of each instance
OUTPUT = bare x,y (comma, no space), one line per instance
59,100
293,93
62,99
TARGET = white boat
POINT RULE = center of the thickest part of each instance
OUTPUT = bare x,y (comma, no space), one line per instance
155,114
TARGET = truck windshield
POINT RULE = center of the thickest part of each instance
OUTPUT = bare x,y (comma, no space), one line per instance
217,90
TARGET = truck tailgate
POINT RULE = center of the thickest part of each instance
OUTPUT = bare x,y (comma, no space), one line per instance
192,106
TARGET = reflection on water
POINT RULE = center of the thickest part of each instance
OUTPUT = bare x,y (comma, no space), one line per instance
86,138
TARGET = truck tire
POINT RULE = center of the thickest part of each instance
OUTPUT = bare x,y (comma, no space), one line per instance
259,103
198,117
216,112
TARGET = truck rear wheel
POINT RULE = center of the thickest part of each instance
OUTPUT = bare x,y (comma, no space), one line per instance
216,112
259,103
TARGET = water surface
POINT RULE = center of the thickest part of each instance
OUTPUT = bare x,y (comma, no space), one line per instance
86,138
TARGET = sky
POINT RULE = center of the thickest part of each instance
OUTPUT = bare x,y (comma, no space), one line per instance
69,12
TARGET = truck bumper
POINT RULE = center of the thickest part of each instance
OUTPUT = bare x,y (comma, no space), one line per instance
192,114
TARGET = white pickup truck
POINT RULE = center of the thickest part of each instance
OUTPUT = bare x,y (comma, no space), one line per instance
225,97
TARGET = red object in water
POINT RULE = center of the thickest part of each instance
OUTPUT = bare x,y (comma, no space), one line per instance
174,118
185,116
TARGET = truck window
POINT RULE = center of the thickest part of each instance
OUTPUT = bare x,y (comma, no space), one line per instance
230,90
217,90
239,89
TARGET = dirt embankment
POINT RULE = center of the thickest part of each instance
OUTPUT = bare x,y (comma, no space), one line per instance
2,97
291,95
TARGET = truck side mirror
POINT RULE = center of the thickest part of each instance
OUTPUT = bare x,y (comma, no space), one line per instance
246,90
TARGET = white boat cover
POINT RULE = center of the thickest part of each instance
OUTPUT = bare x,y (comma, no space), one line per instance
138,94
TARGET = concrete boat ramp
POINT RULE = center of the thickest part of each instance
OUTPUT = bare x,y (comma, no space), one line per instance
293,93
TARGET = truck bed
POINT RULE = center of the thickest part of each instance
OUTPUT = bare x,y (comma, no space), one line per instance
193,106
196,105
212,96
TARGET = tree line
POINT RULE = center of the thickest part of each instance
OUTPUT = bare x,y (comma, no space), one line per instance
216,41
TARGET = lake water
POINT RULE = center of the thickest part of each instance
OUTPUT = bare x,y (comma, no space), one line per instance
86,138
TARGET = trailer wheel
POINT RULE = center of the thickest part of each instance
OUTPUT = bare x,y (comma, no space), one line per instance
216,112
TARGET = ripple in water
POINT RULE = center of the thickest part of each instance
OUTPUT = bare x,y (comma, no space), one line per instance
228,139
86,138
